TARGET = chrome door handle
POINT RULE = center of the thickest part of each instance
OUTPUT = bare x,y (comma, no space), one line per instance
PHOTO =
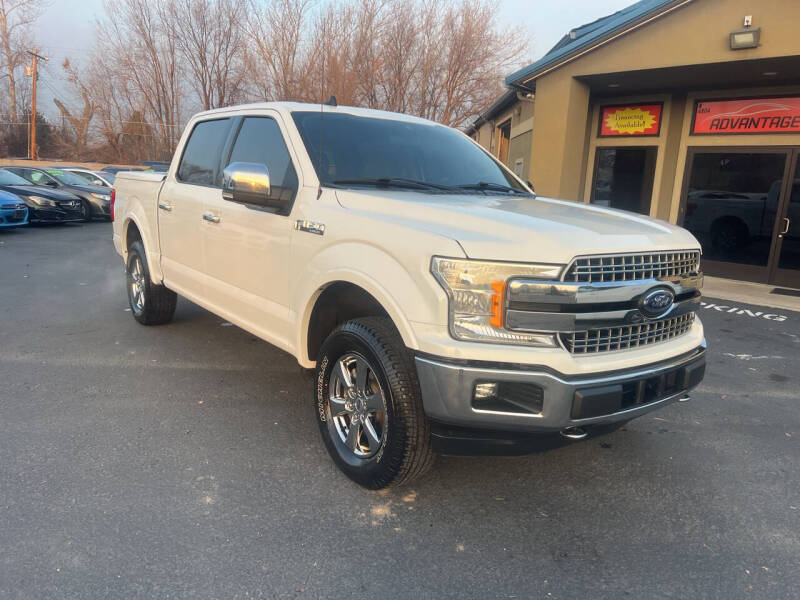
786,223
211,218
165,206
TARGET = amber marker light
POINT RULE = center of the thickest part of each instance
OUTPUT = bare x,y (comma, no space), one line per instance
498,297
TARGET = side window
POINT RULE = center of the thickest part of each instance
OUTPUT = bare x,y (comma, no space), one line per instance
200,160
37,177
260,141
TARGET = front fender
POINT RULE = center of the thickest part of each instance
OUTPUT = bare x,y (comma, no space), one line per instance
405,289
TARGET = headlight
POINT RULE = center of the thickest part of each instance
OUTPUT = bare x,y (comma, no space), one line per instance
41,201
105,197
476,290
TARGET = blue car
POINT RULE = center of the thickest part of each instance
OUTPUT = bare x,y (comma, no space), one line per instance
13,211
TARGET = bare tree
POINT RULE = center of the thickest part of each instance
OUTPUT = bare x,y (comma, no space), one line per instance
210,39
79,122
277,48
140,49
15,17
439,59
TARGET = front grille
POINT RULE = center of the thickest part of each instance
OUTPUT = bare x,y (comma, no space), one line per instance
627,336
12,206
629,267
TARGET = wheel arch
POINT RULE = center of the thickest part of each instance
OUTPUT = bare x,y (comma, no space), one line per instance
134,224
341,300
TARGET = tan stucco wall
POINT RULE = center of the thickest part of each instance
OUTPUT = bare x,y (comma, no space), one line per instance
521,115
696,33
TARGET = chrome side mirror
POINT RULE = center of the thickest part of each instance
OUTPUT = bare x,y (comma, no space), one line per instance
246,183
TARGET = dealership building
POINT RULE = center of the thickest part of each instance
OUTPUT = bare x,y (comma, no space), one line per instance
685,110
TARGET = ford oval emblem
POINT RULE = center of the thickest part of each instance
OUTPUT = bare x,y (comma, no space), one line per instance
657,302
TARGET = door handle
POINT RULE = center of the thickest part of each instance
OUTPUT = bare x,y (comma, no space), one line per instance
211,218
786,223
165,206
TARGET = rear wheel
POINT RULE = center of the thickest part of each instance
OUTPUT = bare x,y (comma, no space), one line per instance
369,407
150,304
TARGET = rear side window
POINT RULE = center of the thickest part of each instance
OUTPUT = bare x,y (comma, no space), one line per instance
260,141
201,157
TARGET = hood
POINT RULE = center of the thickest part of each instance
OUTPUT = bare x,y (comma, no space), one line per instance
41,190
9,197
523,229
88,189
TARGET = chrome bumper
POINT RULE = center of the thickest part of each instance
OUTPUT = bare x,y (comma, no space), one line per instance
448,389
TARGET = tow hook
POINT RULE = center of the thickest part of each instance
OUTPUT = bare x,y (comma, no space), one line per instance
574,433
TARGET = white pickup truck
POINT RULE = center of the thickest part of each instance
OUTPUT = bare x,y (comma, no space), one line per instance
443,305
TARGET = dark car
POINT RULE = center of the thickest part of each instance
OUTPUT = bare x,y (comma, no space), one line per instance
95,200
45,205
116,170
158,166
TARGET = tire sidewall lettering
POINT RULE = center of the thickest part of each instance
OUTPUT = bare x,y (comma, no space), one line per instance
321,378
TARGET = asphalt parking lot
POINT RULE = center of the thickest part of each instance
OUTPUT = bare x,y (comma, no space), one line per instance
184,461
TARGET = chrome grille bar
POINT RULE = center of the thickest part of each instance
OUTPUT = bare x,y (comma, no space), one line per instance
624,337
629,267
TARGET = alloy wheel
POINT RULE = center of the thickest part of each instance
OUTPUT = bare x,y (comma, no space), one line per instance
136,284
357,405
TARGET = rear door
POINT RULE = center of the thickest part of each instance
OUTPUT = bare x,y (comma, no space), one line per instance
181,207
247,247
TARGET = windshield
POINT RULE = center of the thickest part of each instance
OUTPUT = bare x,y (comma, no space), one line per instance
9,178
368,150
66,177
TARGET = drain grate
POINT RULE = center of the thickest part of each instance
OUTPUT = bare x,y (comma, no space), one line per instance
785,292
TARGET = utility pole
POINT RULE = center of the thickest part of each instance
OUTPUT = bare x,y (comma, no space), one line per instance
33,151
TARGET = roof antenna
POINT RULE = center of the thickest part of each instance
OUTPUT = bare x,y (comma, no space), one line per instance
331,101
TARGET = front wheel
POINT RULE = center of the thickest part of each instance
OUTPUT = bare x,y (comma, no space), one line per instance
369,407
150,304
86,211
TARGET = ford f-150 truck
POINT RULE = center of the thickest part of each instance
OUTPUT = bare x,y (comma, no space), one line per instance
443,306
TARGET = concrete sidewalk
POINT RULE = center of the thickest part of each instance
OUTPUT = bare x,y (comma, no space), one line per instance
752,293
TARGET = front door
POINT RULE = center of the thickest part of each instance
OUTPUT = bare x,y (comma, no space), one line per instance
247,247
737,202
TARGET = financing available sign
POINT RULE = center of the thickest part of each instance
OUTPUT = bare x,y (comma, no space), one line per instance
751,115
630,120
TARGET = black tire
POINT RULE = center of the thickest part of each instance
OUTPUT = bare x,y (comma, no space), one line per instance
404,451
86,211
156,305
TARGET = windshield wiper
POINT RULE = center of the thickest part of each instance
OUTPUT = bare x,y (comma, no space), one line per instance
393,182
492,187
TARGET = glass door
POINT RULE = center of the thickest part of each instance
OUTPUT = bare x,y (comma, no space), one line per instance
732,203
787,238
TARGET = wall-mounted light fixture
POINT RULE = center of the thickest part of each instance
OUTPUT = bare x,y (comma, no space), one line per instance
748,37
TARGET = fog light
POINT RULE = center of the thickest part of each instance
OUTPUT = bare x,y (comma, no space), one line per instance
508,397
485,391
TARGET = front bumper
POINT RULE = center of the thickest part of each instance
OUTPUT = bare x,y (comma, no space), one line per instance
52,214
100,208
14,218
448,390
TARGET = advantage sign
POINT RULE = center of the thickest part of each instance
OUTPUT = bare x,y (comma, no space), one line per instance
753,115
630,120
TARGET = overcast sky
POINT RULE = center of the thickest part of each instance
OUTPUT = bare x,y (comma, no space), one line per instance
67,27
